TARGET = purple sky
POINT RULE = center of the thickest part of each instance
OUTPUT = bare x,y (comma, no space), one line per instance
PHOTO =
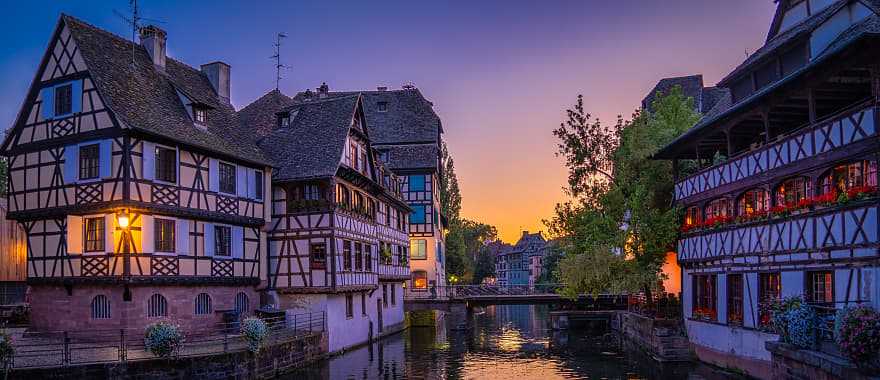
500,73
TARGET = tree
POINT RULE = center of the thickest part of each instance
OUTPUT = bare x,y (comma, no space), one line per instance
485,265
624,198
450,194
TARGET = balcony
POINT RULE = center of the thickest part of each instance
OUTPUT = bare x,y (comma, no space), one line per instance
393,272
850,126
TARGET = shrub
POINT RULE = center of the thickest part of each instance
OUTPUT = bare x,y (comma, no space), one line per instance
163,339
794,321
255,331
6,349
857,332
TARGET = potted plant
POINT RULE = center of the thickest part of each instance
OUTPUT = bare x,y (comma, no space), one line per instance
857,333
254,331
163,339
794,321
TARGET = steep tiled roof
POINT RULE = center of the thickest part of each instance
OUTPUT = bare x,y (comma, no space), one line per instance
312,145
691,86
530,243
260,117
145,99
416,156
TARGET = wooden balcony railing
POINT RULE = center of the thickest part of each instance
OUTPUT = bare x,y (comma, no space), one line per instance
849,126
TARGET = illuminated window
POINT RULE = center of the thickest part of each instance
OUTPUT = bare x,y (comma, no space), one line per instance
692,216
418,249
318,255
847,176
93,233
792,191
735,299
752,201
820,288
164,233
704,306
716,208
420,280
769,291
200,115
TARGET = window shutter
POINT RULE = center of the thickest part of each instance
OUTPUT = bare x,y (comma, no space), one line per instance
241,187
148,234
251,184
74,234
149,161
106,156
209,239
47,109
237,242
76,96
109,232
71,164
213,175
181,238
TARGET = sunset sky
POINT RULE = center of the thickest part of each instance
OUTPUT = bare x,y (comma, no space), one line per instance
500,73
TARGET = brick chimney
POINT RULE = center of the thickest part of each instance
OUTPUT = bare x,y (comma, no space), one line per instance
323,90
219,76
153,39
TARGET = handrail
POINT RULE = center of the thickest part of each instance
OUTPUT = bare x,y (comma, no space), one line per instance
858,106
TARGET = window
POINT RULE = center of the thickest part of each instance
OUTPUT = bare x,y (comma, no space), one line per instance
364,304
318,255
93,235
311,192
157,306
753,201
393,296
692,216
419,249
242,303
353,154
200,115
358,257
222,241
769,290
346,255
258,185
418,214
385,295
63,99
227,178
420,280
417,182
717,208
284,120
820,288
735,299
382,107
89,161
100,307
792,191
849,176
349,306
203,304
164,233
704,306
368,258
343,196
166,164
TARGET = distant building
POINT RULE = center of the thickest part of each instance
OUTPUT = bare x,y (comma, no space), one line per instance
692,87
522,263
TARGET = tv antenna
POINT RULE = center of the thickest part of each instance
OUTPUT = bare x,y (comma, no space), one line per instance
277,58
135,21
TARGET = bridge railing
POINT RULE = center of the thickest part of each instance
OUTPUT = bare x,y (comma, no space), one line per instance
458,292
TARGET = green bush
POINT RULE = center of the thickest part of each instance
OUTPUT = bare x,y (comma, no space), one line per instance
163,339
255,331
794,321
6,349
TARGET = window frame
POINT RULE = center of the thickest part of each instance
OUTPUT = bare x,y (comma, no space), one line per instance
57,100
417,275
381,106
259,185
157,306
205,307
349,306
735,300
200,115
347,264
769,290
424,214
757,198
790,186
101,232
314,263
705,296
221,241
157,238
159,168
414,244
811,291
86,163
423,182
106,306
223,174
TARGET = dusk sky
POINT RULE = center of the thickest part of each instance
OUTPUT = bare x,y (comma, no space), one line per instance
500,73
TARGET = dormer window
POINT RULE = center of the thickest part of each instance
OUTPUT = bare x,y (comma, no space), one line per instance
63,99
200,115
284,120
382,107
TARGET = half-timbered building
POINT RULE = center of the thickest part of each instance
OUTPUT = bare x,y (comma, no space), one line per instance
778,181
338,232
138,199
406,132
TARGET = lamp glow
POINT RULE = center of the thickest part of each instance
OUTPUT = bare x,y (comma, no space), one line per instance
122,219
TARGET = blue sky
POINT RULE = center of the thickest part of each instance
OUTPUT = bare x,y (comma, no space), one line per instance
500,73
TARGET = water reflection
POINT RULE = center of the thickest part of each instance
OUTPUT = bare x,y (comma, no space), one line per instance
510,342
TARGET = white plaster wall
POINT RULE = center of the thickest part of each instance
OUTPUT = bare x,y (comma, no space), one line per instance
721,292
393,314
342,332
687,300
735,341
792,283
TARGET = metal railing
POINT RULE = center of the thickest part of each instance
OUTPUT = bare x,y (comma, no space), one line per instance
64,348
458,292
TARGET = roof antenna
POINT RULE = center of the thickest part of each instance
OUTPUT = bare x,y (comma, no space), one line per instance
277,58
135,22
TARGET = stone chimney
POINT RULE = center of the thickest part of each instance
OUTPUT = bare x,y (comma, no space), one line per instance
323,90
153,39
382,88
525,233
218,75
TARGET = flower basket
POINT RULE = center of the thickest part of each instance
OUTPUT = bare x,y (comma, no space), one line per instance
857,333
163,339
254,331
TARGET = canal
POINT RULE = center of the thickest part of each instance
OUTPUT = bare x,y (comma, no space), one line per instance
510,342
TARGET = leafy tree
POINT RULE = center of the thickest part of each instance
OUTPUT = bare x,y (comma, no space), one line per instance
550,263
450,194
623,198
485,265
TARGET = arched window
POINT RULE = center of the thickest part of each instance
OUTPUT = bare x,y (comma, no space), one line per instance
717,208
847,176
793,190
241,303
157,306
100,307
203,304
753,201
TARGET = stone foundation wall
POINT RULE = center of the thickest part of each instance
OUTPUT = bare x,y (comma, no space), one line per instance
659,338
52,309
790,362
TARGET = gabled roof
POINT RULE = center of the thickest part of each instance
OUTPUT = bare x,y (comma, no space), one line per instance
260,117
145,99
530,243
312,145
411,157
691,86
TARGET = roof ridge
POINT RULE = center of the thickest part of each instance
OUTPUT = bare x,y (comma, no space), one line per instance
261,97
